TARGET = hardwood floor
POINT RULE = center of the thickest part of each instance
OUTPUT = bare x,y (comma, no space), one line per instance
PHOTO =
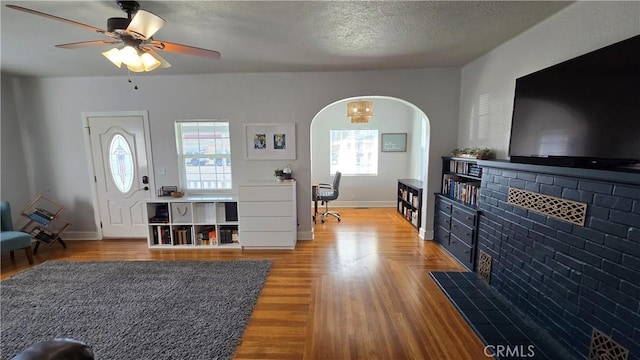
360,290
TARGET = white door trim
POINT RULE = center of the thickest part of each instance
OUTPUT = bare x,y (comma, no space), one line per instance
89,157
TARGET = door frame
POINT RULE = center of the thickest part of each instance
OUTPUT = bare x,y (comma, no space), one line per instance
91,165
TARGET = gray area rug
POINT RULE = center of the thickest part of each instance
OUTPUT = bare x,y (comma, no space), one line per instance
133,309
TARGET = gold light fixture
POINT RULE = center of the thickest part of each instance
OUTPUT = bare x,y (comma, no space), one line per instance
360,111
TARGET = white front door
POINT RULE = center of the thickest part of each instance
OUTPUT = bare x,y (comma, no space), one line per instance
122,171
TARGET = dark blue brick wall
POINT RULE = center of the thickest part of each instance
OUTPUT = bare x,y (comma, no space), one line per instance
568,278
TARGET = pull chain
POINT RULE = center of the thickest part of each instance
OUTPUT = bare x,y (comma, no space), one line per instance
135,86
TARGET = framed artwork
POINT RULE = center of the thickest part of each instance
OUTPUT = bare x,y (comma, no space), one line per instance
270,141
394,142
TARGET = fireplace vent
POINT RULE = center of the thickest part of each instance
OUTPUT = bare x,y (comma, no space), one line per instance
566,210
603,348
484,265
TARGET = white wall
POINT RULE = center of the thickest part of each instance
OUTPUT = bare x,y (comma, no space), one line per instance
488,83
418,145
14,185
50,111
390,116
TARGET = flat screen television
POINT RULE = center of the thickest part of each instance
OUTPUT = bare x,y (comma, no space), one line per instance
584,112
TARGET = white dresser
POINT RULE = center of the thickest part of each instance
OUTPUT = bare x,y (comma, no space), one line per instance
268,214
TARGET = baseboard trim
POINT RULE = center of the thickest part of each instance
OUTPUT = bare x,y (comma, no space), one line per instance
425,235
305,235
79,235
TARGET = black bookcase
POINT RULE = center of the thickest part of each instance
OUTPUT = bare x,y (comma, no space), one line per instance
409,202
456,209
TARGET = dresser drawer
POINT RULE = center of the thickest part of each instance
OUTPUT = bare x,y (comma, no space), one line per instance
461,251
464,216
443,220
462,231
265,193
443,205
259,208
260,239
441,235
273,223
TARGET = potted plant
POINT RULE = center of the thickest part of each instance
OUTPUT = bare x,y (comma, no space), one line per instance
473,153
279,174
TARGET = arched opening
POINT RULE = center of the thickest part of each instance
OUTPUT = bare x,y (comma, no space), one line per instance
370,188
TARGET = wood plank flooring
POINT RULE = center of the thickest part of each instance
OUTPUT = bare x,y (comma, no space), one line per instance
360,290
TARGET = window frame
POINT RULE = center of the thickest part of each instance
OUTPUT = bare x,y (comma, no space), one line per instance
182,156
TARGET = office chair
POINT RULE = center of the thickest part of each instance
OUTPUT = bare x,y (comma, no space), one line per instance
328,192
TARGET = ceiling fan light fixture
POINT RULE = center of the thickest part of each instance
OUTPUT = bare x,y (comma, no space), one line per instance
139,68
135,34
149,62
144,24
360,111
163,63
130,57
114,56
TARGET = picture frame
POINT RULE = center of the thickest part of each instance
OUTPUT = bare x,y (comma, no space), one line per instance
270,141
393,142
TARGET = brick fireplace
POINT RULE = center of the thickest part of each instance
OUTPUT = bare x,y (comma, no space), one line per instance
574,279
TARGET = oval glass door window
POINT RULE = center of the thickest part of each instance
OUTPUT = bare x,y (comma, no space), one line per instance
121,163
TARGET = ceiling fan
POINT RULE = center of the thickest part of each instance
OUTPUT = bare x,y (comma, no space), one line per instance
135,46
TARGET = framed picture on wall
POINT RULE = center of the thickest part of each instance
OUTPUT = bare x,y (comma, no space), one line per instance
394,142
270,141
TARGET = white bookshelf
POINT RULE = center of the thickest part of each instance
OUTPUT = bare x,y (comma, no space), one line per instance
193,223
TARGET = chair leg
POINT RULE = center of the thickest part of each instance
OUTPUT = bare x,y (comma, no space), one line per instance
327,212
29,253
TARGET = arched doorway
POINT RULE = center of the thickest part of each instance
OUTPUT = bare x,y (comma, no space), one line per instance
371,189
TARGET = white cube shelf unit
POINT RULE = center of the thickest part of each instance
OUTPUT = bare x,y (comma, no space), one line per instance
209,222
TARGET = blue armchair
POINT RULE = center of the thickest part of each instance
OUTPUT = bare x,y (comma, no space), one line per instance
11,240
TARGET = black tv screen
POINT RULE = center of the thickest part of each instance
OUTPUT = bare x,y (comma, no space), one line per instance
584,112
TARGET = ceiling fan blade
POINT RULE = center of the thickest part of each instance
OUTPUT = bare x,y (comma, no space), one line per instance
144,24
81,44
184,49
34,12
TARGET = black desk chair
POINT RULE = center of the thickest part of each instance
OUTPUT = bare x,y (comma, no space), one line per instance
328,192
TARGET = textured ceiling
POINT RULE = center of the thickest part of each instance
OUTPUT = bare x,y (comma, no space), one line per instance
274,36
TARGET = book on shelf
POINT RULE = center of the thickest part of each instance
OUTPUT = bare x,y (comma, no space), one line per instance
465,168
461,190
38,218
44,235
183,237
162,235
44,213
226,236
416,202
